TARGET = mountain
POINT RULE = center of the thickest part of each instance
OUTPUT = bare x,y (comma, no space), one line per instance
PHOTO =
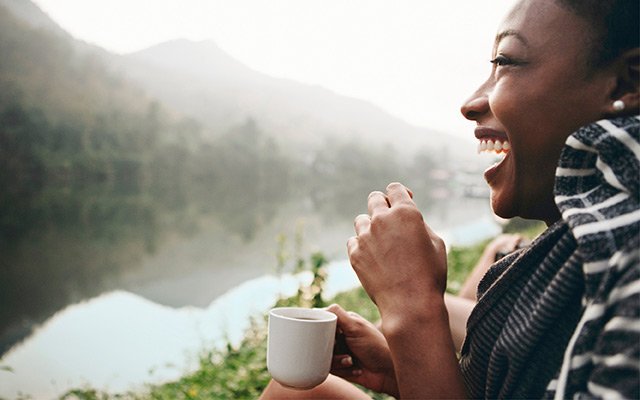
44,67
31,14
201,80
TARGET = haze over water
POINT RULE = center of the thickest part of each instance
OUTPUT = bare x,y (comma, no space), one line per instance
150,192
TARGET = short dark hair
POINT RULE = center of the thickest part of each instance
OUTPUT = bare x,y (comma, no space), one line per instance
615,27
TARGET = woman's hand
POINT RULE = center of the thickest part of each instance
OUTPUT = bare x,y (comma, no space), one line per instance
362,355
402,265
501,246
396,256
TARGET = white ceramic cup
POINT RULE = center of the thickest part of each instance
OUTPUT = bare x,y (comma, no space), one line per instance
300,346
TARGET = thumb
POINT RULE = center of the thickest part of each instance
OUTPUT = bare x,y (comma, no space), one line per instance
348,321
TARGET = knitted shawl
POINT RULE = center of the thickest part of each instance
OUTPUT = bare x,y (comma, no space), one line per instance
560,319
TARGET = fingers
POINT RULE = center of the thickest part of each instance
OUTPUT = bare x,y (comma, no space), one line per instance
352,244
348,321
377,202
504,243
362,223
512,242
343,316
343,365
341,361
397,193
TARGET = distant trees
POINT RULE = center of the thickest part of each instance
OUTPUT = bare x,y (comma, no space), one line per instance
93,174
343,173
22,137
250,174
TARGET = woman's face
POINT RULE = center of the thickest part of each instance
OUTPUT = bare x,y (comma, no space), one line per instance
538,93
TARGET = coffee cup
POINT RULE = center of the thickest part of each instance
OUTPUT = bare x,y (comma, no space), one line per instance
300,346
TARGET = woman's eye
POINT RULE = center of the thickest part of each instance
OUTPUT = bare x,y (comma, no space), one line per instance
501,61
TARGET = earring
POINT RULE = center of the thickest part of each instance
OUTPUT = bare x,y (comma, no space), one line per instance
618,105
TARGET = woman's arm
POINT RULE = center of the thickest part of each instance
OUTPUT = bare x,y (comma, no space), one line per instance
459,309
423,353
401,264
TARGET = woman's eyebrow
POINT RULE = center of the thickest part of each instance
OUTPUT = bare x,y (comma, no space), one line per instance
510,32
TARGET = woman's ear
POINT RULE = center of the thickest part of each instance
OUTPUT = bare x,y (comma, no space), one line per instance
625,98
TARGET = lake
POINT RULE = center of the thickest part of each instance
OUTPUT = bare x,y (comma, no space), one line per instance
138,305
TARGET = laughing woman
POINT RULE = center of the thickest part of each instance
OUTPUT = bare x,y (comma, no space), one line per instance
559,318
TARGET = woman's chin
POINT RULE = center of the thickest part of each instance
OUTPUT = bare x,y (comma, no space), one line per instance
506,204
501,178
502,205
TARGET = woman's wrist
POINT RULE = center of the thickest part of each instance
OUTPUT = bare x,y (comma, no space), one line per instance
424,354
390,386
421,345
423,312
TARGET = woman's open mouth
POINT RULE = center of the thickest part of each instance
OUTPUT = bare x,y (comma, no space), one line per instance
495,143
499,149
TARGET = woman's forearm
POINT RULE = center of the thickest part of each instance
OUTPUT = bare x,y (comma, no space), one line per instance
423,352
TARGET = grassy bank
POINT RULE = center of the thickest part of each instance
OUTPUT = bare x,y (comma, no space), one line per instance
240,372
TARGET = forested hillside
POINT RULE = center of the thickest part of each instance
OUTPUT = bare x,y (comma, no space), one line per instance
94,172
67,121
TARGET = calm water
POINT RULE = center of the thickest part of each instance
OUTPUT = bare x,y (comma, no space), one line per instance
142,308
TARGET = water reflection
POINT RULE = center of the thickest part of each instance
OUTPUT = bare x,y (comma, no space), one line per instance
128,246
119,340
72,250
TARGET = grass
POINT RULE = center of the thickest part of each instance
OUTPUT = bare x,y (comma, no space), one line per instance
240,372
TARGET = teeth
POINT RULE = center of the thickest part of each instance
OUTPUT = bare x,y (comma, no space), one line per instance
493,145
489,145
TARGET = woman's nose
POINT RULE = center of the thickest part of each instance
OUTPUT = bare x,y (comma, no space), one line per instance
476,105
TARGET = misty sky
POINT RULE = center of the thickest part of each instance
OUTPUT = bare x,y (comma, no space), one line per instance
418,59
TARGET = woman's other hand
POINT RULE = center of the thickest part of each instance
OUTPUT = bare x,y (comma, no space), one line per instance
502,245
362,355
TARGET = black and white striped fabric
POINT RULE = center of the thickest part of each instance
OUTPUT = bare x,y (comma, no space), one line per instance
561,318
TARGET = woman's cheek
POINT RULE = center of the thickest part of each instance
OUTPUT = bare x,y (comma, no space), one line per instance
505,103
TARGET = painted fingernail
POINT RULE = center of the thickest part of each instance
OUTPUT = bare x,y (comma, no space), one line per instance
347,361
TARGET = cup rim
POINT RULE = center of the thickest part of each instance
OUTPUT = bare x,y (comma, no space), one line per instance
326,316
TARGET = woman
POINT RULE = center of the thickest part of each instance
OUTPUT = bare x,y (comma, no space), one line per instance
559,318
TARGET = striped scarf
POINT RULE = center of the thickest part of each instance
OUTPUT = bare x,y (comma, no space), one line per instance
561,318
